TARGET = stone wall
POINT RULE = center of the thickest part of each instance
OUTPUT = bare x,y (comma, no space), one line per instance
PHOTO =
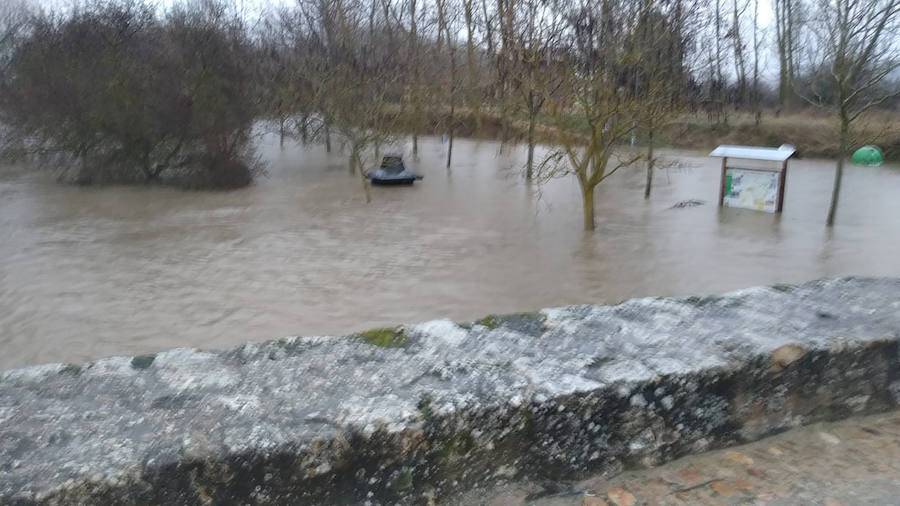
411,414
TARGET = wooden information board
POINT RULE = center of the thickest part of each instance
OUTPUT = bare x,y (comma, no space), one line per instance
757,188
751,189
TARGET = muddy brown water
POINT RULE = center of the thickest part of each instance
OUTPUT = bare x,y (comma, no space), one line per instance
90,272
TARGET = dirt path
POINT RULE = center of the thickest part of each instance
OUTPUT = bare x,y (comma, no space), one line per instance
852,462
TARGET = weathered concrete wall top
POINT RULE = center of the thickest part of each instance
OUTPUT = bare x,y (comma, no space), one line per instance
432,407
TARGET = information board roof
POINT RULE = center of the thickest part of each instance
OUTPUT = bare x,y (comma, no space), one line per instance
778,154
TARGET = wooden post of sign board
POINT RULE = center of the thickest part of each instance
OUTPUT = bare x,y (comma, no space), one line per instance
722,183
782,178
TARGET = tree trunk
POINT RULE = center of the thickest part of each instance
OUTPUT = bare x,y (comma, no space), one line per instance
450,150
366,188
281,132
354,158
783,82
650,162
304,132
414,56
839,170
720,91
471,92
784,40
356,163
740,67
327,138
532,120
452,120
789,47
587,205
756,109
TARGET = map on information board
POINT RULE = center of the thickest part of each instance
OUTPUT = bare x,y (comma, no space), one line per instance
751,189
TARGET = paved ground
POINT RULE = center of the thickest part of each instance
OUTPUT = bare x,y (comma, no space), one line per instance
847,463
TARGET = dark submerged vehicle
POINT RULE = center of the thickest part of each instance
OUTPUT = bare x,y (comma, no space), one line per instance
392,171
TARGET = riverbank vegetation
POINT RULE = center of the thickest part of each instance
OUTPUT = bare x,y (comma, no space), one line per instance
115,93
125,91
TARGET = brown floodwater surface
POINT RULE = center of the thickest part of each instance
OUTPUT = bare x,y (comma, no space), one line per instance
89,272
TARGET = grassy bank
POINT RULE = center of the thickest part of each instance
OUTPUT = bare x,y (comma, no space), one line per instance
813,133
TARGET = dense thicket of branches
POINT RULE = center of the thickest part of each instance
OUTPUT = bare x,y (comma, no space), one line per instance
119,93
124,91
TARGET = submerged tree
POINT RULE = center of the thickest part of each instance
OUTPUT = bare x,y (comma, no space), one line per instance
447,15
594,113
121,95
535,74
351,62
859,43
656,69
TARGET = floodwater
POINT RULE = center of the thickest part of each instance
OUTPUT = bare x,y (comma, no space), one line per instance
90,272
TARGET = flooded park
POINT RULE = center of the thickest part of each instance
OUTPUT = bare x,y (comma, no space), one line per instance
95,271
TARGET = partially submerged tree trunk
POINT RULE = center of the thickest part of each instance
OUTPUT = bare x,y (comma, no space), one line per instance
650,162
415,92
450,147
327,138
354,157
304,128
451,126
844,142
532,123
354,162
859,53
587,204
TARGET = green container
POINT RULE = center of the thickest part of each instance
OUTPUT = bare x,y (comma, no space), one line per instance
867,155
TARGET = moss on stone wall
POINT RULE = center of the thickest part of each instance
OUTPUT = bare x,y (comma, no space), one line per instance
385,337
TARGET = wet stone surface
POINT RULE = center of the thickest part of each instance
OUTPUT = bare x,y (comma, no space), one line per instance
852,462
556,395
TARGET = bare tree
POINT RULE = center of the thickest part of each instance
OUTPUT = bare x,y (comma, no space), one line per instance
859,44
718,92
278,67
126,95
414,78
757,44
13,15
352,61
473,86
787,13
739,7
448,14
657,67
715,84
13,24
595,112
534,73
505,58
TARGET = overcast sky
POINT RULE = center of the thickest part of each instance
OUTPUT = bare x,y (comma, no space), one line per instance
254,7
